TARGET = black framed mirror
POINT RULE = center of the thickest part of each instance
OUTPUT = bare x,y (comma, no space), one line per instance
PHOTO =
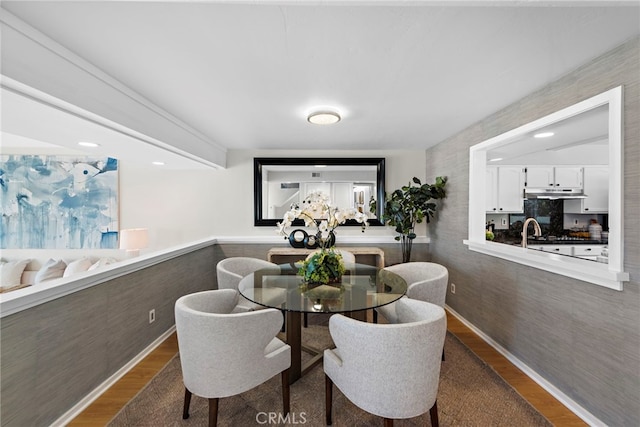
350,182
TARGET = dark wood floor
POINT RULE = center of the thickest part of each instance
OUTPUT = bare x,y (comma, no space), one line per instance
106,406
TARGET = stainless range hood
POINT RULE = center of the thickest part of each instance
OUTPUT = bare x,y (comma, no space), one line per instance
554,193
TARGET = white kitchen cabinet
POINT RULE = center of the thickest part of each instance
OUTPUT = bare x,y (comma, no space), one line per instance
568,177
596,188
556,249
590,252
550,176
504,188
539,176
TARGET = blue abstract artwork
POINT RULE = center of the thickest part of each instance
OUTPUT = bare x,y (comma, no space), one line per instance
56,202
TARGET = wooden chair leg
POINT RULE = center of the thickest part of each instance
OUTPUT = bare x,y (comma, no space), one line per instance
187,402
305,320
434,414
443,354
285,392
375,316
388,422
213,412
328,398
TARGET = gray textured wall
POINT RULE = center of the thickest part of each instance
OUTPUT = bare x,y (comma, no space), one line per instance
583,338
54,354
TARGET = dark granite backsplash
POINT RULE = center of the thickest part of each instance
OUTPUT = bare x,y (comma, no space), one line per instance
548,213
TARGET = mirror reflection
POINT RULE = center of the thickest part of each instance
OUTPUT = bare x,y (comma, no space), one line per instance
283,182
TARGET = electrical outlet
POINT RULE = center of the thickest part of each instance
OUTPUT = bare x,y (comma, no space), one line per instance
152,315
504,221
453,288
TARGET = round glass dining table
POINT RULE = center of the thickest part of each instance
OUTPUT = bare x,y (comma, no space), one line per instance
362,287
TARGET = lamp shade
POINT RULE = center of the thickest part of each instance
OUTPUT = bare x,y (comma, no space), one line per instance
134,238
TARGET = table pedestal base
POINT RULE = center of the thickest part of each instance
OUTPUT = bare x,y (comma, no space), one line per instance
293,337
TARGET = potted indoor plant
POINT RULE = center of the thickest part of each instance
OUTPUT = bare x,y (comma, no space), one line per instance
408,206
321,268
326,265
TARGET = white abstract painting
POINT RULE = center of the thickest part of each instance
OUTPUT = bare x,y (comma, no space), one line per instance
56,202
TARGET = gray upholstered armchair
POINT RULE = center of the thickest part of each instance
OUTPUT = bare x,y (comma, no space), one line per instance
426,281
231,270
222,353
391,371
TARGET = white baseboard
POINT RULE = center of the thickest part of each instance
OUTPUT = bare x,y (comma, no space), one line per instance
97,392
572,405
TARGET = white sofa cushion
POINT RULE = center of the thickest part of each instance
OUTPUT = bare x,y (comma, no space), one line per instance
11,273
77,266
102,262
53,269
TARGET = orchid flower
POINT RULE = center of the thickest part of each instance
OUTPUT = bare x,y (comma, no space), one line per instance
318,212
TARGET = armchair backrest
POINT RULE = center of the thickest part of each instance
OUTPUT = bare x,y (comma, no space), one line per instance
390,370
427,281
223,354
231,270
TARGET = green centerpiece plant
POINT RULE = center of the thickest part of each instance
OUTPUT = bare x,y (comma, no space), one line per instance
408,206
322,267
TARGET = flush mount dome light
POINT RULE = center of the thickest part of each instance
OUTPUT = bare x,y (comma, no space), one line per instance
543,135
88,144
323,117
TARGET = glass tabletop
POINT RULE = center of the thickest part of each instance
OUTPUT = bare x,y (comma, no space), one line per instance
362,287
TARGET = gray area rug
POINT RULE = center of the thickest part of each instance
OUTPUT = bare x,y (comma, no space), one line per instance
470,394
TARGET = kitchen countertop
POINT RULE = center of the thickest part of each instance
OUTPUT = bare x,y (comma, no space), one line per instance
566,242
553,242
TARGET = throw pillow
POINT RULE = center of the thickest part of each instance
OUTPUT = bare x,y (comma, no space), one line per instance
77,266
11,273
52,269
102,262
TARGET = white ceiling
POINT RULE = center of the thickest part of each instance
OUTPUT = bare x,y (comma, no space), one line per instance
404,75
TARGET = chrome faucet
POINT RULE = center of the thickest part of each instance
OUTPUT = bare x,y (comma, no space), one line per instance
536,230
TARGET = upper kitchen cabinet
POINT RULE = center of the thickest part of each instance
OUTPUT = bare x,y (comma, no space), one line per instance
504,186
596,190
550,176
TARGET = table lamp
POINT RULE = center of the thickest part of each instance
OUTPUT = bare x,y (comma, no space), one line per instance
133,240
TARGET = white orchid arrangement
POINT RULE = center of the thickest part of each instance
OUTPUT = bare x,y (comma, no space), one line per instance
317,205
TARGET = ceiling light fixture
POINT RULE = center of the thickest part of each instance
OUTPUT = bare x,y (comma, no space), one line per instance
158,163
88,144
324,118
496,159
543,135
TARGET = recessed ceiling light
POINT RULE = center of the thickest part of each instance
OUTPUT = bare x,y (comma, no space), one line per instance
496,159
543,135
323,118
88,144
158,163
